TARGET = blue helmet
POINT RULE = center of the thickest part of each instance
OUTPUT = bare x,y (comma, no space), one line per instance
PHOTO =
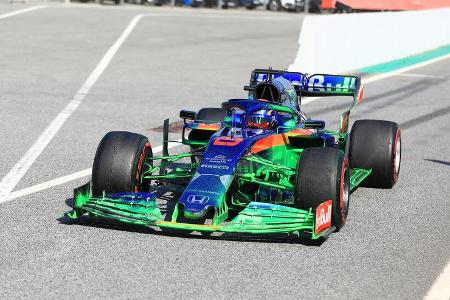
279,91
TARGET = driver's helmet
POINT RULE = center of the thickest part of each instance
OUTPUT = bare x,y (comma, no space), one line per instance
262,119
280,91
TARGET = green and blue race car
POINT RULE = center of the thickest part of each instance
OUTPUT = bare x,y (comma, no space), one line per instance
256,165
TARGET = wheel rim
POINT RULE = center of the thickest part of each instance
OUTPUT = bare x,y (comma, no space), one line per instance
345,193
141,166
397,155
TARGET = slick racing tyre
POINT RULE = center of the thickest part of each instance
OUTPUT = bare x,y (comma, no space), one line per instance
119,163
323,174
376,145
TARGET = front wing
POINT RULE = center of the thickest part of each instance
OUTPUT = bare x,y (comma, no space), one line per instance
257,218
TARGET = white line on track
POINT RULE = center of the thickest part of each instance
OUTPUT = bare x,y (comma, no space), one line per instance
440,290
21,11
61,180
21,167
414,75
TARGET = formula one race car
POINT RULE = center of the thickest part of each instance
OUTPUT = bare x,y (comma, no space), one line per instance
255,166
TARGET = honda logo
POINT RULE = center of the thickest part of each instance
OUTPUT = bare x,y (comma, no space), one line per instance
199,199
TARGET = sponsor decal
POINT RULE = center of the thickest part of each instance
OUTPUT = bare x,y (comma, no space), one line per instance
227,141
216,167
323,83
204,192
218,159
199,199
323,216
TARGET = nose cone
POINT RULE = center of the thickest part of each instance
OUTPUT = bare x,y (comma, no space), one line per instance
196,206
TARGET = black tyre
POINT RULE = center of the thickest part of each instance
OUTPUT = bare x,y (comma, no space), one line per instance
323,174
376,145
274,5
119,163
211,114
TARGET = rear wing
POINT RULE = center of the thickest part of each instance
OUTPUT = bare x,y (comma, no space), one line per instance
316,85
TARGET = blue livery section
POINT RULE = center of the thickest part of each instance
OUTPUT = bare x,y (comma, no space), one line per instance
313,85
214,175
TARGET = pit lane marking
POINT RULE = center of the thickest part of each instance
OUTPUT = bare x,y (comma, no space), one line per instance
64,179
21,11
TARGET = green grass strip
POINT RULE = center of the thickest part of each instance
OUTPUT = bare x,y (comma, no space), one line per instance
407,61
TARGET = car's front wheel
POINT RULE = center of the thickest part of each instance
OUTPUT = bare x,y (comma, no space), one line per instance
323,174
119,162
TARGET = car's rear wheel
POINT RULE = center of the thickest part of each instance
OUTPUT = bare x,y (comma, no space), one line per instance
376,145
323,174
119,162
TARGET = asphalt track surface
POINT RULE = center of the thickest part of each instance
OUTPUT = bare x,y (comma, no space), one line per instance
394,245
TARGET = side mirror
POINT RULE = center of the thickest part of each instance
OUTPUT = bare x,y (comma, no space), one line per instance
314,124
187,114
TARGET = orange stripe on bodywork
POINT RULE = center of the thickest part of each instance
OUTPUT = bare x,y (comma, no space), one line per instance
208,126
268,142
300,131
278,139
